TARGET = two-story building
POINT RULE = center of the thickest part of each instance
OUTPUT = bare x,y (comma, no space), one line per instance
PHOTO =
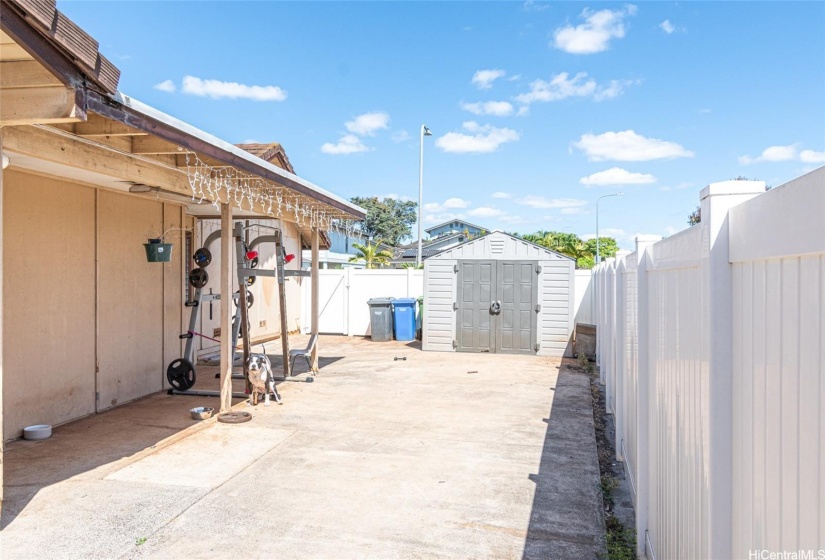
455,226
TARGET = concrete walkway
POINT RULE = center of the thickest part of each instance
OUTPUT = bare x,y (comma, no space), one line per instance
439,456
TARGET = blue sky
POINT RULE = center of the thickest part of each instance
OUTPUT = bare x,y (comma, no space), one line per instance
536,109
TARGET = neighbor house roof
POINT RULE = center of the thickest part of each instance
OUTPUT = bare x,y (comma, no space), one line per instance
425,253
466,223
272,152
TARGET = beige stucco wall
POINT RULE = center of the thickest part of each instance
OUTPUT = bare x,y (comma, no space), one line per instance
74,266
265,290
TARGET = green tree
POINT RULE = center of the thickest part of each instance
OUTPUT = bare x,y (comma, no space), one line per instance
570,244
371,254
387,219
607,247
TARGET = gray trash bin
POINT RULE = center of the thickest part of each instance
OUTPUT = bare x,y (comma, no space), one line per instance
381,319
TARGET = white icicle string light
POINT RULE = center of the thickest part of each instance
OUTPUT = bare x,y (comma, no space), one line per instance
207,182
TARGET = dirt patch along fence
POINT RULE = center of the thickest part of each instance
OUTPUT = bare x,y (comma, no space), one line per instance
711,345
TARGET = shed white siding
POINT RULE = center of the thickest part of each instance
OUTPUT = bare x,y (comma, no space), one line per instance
555,286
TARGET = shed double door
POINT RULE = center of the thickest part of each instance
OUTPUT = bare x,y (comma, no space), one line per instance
496,306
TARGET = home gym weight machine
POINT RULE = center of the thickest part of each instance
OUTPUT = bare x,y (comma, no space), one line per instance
181,372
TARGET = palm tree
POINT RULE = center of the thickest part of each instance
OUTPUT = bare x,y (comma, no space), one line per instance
371,254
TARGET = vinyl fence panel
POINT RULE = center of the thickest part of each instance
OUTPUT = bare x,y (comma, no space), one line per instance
711,346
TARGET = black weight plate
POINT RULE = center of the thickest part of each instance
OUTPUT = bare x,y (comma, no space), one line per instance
181,374
234,417
250,280
198,278
253,263
202,257
250,299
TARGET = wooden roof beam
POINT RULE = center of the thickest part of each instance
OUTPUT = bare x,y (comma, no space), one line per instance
26,73
101,126
154,145
41,105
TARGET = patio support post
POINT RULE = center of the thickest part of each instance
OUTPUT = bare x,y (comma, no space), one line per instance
316,234
2,434
227,237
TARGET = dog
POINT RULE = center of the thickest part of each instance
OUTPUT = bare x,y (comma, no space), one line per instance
259,370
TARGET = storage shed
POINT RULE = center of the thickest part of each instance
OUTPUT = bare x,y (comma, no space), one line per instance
499,293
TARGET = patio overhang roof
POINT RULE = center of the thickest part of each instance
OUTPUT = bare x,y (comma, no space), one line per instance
86,130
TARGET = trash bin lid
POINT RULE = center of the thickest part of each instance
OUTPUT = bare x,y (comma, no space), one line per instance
404,301
380,301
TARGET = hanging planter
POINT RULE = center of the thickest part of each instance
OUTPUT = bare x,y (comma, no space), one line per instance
157,251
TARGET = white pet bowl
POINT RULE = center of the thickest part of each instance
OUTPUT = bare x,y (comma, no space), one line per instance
201,412
38,431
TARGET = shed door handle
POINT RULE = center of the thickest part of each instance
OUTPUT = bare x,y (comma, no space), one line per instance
495,307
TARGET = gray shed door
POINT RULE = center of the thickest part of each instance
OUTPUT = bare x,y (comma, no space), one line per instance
496,306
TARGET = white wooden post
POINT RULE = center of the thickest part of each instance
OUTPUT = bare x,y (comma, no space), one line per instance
620,366
717,199
643,401
226,306
2,434
315,294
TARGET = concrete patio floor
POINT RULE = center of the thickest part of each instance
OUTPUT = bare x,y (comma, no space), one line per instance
439,456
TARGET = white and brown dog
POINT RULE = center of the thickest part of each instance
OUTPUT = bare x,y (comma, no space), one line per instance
259,369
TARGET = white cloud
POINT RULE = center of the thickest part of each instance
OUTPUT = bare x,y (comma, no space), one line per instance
595,33
574,211
483,79
512,219
535,201
217,89
368,123
400,136
480,140
348,144
533,6
495,108
561,86
439,218
628,146
617,176
166,85
667,27
485,212
785,153
500,194
677,187
810,156
523,111
454,203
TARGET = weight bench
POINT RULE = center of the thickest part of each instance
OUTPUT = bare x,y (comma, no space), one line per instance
305,353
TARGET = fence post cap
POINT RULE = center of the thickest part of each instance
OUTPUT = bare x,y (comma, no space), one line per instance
732,187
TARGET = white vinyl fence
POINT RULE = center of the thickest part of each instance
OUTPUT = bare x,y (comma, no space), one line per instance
711,346
584,298
344,294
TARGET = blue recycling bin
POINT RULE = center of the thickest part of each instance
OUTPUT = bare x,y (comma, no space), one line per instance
404,318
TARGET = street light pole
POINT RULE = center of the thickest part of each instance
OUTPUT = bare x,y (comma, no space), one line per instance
424,132
598,255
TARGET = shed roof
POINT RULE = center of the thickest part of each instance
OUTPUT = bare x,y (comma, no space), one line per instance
498,244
